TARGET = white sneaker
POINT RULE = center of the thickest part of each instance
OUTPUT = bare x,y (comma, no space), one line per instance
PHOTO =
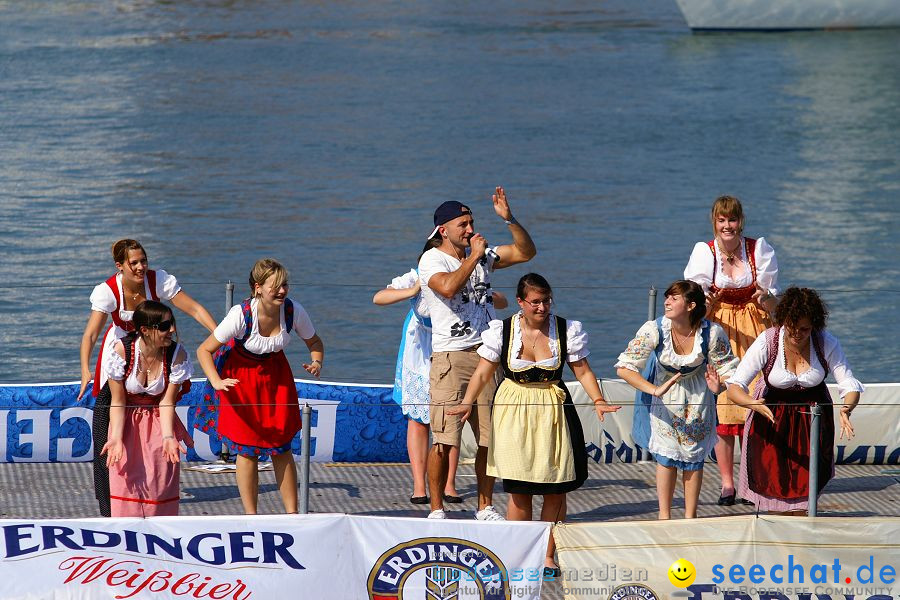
488,514
437,514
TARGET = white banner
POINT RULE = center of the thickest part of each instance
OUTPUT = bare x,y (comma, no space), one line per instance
331,556
736,558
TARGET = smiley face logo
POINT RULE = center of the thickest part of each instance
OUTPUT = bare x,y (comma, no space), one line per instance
682,573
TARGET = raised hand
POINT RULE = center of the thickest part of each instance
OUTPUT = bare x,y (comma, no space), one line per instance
712,380
501,206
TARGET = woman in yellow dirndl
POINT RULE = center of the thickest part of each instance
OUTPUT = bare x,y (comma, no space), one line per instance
739,276
537,444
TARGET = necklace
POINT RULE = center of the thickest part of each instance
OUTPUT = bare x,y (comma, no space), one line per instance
729,256
537,334
679,347
148,365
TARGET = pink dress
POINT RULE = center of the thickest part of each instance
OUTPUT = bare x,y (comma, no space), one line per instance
143,483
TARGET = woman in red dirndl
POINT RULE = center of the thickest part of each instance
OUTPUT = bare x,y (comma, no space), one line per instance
117,297
250,400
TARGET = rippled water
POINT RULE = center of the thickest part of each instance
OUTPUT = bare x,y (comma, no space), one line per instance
324,134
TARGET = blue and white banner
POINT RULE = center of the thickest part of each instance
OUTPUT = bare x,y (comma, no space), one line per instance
362,423
339,557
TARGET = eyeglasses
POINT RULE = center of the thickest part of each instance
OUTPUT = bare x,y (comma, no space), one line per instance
163,325
536,303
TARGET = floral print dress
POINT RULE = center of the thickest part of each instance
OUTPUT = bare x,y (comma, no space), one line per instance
683,420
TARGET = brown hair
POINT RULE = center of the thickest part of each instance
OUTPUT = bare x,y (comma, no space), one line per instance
727,206
121,249
691,292
432,242
798,303
532,281
150,313
265,268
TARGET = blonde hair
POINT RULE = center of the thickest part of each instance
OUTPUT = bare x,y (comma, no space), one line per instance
121,249
265,268
727,206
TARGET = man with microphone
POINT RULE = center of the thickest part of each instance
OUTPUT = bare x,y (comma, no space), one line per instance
456,285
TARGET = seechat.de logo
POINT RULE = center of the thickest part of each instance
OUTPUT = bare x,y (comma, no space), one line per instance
438,568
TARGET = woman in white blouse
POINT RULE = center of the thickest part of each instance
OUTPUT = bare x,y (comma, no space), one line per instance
678,360
148,371
258,411
792,360
740,277
133,283
537,444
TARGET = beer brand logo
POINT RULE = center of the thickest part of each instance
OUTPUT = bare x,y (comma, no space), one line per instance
438,569
633,591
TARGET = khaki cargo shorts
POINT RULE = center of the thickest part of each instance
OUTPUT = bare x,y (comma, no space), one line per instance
450,374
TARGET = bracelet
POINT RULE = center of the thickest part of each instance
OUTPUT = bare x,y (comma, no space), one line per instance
599,400
168,437
316,360
511,220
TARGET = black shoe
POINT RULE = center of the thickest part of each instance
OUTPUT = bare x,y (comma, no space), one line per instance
551,573
452,499
745,501
726,500
419,499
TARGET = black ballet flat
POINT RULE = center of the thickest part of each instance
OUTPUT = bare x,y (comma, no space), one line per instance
452,499
552,572
745,502
419,499
726,500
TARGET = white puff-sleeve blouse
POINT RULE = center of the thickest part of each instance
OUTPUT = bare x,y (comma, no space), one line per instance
758,354
232,326
492,343
103,300
700,267
114,366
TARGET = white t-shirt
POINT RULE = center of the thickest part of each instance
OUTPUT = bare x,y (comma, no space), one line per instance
458,322
103,300
232,326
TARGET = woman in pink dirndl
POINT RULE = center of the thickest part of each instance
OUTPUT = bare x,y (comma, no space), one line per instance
250,402
147,371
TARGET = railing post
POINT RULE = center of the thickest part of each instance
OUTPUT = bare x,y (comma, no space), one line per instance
229,296
304,460
814,426
651,304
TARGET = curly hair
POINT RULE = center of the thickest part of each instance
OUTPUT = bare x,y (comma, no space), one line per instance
798,303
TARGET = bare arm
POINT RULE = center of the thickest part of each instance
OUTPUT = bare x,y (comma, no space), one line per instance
92,331
637,381
448,284
316,355
115,447
500,300
588,380
170,446
737,395
392,296
851,399
205,358
185,303
522,249
480,378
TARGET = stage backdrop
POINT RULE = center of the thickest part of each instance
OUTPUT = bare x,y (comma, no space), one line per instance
361,423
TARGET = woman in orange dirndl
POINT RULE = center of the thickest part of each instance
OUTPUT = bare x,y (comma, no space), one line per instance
740,277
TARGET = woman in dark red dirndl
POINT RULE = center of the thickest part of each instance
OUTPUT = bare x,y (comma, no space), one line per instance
250,400
117,297
794,357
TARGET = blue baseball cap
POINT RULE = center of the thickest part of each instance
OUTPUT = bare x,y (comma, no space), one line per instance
446,212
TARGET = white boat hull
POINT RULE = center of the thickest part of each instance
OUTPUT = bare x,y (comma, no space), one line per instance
790,14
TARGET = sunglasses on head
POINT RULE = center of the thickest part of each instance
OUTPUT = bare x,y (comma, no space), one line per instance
163,325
